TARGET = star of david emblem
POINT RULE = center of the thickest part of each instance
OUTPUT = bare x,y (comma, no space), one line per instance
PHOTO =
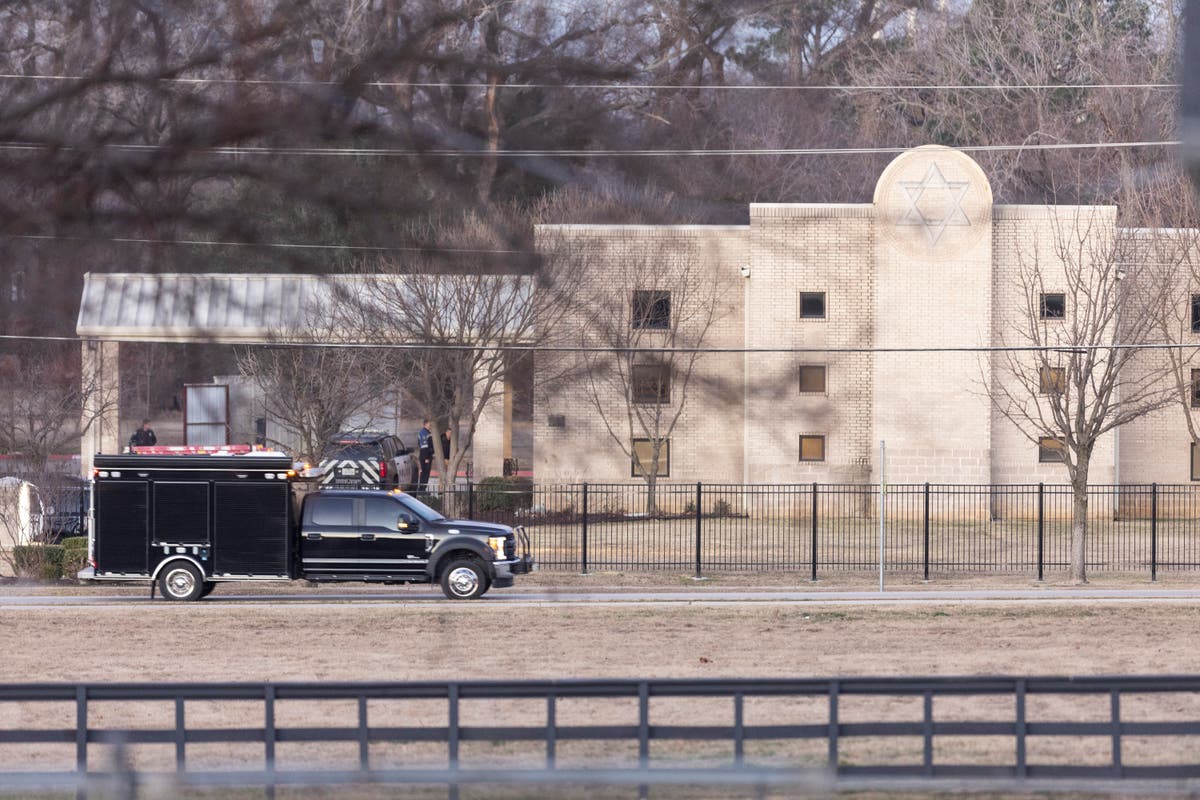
934,203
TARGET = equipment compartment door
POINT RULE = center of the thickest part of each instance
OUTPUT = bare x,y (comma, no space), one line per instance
122,526
251,534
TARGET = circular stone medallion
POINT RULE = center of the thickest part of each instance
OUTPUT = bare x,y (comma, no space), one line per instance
933,203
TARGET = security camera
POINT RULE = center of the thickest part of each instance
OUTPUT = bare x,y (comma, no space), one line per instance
745,270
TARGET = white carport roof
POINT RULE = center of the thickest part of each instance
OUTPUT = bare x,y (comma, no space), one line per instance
223,308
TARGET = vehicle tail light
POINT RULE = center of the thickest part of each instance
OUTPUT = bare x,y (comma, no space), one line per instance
383,469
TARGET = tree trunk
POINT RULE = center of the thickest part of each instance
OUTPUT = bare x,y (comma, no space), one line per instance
1079,508
651,486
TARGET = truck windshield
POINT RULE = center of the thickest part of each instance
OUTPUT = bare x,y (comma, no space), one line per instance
420,509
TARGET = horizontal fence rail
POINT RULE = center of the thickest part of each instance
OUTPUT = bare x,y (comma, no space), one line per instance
815,528
818,731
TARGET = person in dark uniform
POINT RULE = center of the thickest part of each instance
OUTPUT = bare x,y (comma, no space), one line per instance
143,436
425,454
446,444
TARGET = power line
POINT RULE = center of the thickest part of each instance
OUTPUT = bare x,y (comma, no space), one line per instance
353,152
285,245
519,348
822,87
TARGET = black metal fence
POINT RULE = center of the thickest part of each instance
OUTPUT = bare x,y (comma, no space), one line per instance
759,731
815,528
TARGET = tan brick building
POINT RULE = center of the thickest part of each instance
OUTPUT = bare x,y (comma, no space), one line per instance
930,263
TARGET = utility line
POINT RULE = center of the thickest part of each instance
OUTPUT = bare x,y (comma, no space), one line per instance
352,152
519,348
285,245
821,87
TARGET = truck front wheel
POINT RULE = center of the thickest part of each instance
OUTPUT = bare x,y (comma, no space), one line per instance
464,579
180,580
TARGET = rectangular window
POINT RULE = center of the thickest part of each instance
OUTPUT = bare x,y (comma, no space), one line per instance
812,448
812,379
1053,380
650,383
812,305
1196,388
1195,462
643,458
1053,306
651,310
1051,449
1196,313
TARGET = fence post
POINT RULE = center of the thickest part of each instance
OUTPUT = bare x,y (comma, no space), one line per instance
81,742
814,531
470,500
699,490
584,543
1041,529
1154,532
926,541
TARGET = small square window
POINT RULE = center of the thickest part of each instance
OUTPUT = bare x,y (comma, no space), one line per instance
643,458
1051,449
650,383
812,448
1196,313
1053,380
1196,388
651,310
1053,306
812,305
812,379
1195,462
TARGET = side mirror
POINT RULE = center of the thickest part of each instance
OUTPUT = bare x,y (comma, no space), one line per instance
404,451
405,524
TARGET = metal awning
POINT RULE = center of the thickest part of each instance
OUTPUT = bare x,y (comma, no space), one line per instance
238,309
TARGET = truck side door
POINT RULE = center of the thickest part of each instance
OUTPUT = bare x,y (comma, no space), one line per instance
329,539
384,545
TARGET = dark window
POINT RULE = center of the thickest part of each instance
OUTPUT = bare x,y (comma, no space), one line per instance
812,379
337,511
1196,388
812,448
382,513
1196,313
812,305
651,309
1053,380
643,458
1195,462
557,420
1051,449
1053,306
651,383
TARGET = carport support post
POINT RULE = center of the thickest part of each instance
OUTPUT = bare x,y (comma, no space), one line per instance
699,490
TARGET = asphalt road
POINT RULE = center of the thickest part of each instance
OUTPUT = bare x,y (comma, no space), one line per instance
1089,596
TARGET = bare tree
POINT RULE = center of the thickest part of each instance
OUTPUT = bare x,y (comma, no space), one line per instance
1087,314
42,403
458,326
642,331
313,390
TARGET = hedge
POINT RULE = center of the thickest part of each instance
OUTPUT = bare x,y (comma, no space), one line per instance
504,494
41,561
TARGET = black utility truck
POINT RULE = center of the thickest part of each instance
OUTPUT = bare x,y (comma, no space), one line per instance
189,522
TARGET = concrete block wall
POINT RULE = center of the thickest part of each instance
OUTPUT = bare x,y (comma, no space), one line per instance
692,262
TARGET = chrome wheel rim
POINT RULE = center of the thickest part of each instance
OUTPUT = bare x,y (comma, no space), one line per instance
180,582
463,581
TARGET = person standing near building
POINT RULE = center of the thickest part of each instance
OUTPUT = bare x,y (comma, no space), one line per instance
143,436
425,454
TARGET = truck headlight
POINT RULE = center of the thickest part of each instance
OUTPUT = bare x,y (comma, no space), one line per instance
497,545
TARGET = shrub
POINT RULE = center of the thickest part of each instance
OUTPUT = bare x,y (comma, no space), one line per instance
41,561
75,550
504,494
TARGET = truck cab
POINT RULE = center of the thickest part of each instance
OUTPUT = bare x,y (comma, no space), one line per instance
392,537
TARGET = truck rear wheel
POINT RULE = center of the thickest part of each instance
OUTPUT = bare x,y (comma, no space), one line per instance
464,579
180,580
